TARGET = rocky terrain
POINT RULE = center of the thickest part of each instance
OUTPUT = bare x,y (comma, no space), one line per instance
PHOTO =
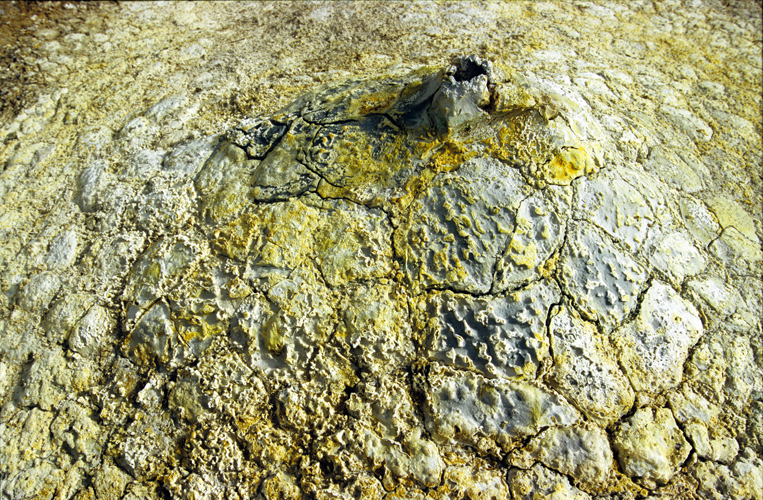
381,250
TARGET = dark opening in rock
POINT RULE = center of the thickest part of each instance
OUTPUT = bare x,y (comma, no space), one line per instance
469,67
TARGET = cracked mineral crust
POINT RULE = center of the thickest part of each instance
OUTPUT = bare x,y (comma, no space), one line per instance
500,250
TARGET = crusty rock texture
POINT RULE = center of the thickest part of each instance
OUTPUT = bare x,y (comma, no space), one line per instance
381,250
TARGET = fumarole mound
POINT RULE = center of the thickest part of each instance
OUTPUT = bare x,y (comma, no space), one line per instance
440,283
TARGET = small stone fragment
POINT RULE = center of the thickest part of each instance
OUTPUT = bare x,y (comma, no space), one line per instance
38,292
91,330
63,250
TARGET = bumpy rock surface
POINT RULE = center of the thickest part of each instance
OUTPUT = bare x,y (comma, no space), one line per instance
250,253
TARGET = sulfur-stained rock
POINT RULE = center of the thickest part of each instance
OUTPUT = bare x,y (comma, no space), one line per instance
64,314
723,298
25,434
702,223
406,458
650,447
744,479
414,456
540,483
374,327
354,244
460,225
160,270
384,403
471,483
585,370
39,481
717,446
258,136
674,168
228,385
154,337
603,281
688,406
275,238
548,151
166,204
735,250
282,486
361,160
189,157
743,376
653,348
110,481
731,214
707,367
501,337
224,183
404,96
676,256
538,233
280,175
616,207
47,376
578,451
143,447
75,428
465,407
284,330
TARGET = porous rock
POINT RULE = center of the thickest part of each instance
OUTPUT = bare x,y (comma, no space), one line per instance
465,407
540,483
585,370
576,451
501,337
653,348
650,447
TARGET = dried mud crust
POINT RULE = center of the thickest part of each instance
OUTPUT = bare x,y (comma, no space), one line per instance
435,282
